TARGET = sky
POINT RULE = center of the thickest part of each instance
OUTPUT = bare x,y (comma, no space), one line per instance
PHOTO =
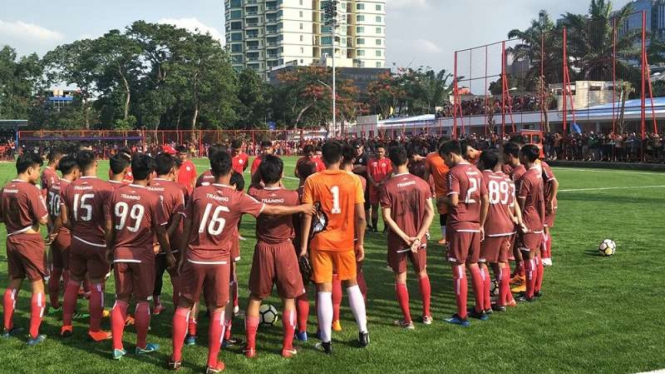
419,32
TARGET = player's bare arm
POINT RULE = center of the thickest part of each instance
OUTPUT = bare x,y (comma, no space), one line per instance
184,241
163,239
109,236
174,225
429,218
64,217
360,226
484,208
555,191
279,210
305,229
387,217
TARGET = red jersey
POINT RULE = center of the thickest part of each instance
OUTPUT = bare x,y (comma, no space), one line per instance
418,169
171,194
273,229
320,165
135,212
531,189
187,174
48,179
240,162
205,179
129,178
516,174
379,169
500,194
22,206
86,199
256,163
214,212
407,197
116,184
466,181
548,179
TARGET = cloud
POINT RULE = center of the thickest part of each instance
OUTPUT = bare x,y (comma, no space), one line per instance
193,24
395,4
427,46
28,32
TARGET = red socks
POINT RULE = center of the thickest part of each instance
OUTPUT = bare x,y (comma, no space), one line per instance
289,326
9,304
478,286
336,297
118,317
228,325
426,294
530,268
403,300
192,325
302,306
215,334
540,270
180,319
251,327
461,289
37,304
504,287
96,306
69,301
54,287
142,323
487,285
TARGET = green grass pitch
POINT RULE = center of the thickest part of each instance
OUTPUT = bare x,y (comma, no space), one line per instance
598,314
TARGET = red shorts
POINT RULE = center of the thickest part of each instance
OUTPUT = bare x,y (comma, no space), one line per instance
495,249
398,256
85,258
275,264
549,219
25,255
134,279
374,194
210,278
531,242
60,250
463,247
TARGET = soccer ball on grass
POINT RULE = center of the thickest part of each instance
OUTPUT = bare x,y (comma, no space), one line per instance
607,247
268,315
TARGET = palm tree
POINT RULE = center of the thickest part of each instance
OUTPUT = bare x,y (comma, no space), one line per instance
625,89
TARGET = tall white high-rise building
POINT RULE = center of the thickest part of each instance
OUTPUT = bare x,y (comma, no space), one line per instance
264,34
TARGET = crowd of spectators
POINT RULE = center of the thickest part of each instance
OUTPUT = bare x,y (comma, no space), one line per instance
492,105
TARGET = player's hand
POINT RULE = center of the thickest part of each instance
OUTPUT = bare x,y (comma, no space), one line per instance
482,234
415,245
170,261
523,228
303,252
360,252
109,256
550,207
308,209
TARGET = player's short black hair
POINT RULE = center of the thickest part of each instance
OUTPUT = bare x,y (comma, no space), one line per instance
67,165
380,145
142,166
308,149
84,144
464,146
271,169
332,152
519,140
451,146
178,163
266,144
220,163
348,154
28,160
54,155
530,152
164,163
489,159
119,162
305,169
214,149
86,159
237,181
181,149
511,149
236,144
398,156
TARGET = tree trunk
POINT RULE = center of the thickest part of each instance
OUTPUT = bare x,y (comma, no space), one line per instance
195,116
623,110
300,115
127,93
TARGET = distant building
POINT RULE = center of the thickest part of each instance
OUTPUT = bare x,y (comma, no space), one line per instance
59,98
361,77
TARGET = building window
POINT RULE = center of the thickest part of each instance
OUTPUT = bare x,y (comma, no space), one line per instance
236,14
236,25
302,50
378,41
378,7
301,15
236,36
379,19
379,54
360,18
236,3
361,53
360,41
360,6
326,40
360,30
302,38
379,30
236,48
379,65
301,26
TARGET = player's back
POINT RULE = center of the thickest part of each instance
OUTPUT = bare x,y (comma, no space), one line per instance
21,204
465,180
205,179
274,229
417,168
85,199
407,196
548,177
531,188
171,194
337,192
500,194
133,211
49,178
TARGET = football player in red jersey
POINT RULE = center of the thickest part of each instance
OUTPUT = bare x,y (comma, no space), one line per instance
467,210
266,149
23,210
210,220
119,166
134,217
407,209
240,158
173,200
83,213
50,174
551,191
378,171
206,178
187,170
59,237
512,160
275,258
532,203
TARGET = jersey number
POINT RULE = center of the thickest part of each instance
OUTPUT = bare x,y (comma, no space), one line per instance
216,224
54,204
499,192
81,201
136,213
336,209
473,187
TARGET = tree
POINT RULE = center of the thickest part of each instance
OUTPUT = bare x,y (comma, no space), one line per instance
20,84
254,101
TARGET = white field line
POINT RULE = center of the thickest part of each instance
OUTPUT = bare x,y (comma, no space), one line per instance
654,372
610,188
559,168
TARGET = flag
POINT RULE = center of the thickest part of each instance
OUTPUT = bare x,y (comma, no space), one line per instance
575,127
